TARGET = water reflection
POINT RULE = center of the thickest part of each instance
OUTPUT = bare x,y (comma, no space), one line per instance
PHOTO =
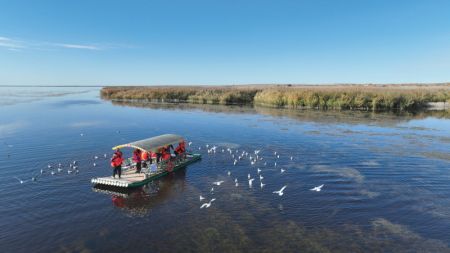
140,201
345,117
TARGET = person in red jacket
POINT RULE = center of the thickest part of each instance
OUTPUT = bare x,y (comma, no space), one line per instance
181,149
153,157
137,159
116,163
145,157
165,154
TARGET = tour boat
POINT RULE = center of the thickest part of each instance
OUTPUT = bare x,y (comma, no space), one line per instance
130,178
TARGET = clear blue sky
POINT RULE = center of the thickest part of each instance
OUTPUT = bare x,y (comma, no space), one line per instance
87,42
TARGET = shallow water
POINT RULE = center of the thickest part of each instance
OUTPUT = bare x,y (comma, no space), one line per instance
386,177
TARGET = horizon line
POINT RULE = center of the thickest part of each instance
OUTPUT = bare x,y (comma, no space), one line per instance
248,84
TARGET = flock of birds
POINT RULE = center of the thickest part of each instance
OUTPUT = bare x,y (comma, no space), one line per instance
254,158
236,155
71,167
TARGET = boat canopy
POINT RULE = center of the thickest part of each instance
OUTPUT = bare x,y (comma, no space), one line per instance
154,143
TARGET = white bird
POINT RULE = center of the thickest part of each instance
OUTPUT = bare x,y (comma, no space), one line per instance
59,165
94,164
317,188
261,177
206,205
207,145
235,180
218,183
235,161
248,176
20,180
49,166
257,152
275,153
104,155
42,171
250,182
265,163
223,150
229,173
252,162
59,169
280,192
201,198
53,173
275,164
199,148
190,143
278,156
258,170
81,134
292,158
74,162
262,185
282,170
69,172
237,184
212,189
95,157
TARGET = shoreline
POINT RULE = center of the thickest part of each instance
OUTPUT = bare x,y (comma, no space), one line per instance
407,97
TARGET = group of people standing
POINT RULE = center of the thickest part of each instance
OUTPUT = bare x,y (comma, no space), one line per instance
141,158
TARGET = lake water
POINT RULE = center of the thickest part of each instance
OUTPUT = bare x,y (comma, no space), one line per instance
386,178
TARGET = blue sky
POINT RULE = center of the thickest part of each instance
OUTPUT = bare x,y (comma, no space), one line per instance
223,42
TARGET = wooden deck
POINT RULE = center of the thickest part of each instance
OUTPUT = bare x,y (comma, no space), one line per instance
128,177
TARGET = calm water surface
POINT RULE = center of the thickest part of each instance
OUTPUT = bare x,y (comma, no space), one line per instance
386,176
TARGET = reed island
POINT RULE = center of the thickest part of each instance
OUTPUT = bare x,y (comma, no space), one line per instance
370,97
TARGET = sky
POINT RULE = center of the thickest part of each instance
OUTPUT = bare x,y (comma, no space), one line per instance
87,42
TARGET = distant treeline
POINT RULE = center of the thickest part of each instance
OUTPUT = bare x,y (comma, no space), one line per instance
342,97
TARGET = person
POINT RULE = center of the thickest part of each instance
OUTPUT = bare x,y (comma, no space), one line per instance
137,160
180,149
170,147
145,158
153,168
153,157
159,154
165,153
116,163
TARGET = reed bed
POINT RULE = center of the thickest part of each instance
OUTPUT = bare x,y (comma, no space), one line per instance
340,97
226,95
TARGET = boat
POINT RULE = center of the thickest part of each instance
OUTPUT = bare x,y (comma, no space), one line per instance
131,179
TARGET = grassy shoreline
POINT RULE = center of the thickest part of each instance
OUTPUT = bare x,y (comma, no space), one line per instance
408,97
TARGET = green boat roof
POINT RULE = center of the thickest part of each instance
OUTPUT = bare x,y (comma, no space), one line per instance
154,143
